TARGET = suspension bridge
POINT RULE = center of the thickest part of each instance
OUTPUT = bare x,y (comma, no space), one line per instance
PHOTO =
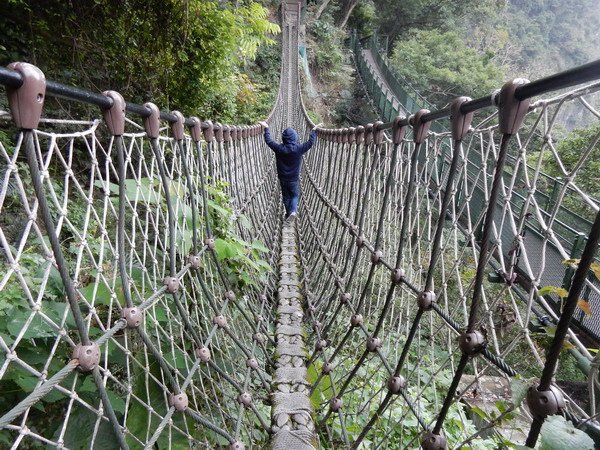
152,296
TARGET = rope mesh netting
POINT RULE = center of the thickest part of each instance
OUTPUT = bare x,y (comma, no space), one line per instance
152,296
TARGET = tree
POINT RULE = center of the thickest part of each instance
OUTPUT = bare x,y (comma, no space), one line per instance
347,8
397,18
181,54
441,67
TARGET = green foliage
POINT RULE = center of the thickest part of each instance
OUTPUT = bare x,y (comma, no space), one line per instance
570,150
40,283
363,18
180,54
441,66
397,425
559,434
327,56
396,19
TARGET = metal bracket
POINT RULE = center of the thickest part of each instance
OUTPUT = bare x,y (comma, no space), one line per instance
398,130
511,111
195,129
203,354
115,115
218,132
376,257
220,321
351,135
397,275
26,102
420,129
177,126
194,262
545,403
373,344
360,134
245,399
460,122
209,131
377,132
356,320
369,133
152,122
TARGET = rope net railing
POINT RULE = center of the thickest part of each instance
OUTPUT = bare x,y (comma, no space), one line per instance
119,260
428,257
151,296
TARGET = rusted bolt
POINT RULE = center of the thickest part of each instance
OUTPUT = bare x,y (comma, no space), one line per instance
433,441
327,368
345,297
203,354
545,403
179,401
356,320
373,344
230,295
194,262
336,404
172,284
88,356
472,343
210,243
258,337
397,275
426,300
396,384
252,363
237,445
376,257
220,321
133,317
245,399
320,344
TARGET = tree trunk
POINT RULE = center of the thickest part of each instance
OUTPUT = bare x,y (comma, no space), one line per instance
321,9
346,11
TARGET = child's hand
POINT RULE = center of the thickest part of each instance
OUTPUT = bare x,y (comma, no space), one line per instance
264,124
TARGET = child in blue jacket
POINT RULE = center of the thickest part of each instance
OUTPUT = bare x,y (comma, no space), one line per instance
288,156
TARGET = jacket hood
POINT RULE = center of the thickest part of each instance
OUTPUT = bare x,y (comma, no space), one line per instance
289,136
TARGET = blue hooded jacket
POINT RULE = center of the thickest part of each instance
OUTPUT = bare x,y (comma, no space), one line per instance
289,154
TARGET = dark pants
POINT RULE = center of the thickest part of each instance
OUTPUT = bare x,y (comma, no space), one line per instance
290,193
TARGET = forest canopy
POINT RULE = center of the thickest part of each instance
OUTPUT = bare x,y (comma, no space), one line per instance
181,54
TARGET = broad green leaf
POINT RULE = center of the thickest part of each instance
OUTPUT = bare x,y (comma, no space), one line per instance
569,262
258,245
519,390
559,434
561,292
480,412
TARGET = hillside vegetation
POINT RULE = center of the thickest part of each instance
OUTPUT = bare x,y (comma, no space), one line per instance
207,58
